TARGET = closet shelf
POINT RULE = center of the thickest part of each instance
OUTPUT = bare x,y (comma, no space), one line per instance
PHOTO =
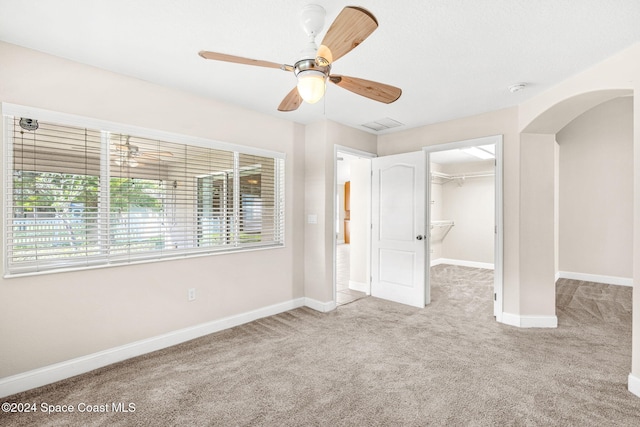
443,178
440,229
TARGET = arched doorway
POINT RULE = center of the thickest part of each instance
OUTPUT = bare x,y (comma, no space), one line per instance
539,207
539,202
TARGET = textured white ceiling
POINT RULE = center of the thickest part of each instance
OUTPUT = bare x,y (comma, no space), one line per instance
452,58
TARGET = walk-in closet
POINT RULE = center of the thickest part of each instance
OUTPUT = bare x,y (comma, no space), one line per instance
462,206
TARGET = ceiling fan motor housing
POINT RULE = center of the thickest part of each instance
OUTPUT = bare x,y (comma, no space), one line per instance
312,19
310,64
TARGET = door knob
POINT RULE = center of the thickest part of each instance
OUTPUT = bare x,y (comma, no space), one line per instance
419,237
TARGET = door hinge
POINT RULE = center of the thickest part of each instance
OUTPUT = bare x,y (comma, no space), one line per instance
495,229
495,297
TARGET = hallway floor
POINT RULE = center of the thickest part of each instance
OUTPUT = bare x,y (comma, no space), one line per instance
344,295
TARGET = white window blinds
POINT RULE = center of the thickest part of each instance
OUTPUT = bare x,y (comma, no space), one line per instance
79,197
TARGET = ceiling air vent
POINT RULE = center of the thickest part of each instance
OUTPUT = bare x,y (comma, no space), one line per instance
382,124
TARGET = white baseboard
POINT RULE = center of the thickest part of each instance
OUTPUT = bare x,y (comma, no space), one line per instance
359,286
634,384
597,278
323,307
80,365
529,321
462,263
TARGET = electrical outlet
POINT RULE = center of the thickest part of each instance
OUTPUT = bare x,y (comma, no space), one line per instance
191,294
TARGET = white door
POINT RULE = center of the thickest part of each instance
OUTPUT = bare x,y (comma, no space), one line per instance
399,233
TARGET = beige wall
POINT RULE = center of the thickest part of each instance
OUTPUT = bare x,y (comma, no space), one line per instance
537,226
556,207
51,318
635,351
470,203
596,191
318,183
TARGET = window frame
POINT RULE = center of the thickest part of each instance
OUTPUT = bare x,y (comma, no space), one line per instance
9,111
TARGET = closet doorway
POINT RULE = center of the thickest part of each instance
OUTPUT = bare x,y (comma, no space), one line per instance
465,216
352,223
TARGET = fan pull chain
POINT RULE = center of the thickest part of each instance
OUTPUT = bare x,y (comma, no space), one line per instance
324,105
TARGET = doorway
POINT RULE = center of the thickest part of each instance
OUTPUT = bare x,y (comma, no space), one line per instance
465,213
351,221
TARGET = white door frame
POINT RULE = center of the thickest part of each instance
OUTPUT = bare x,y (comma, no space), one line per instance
499,245
364,154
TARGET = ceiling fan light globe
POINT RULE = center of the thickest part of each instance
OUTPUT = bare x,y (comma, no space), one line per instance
311,85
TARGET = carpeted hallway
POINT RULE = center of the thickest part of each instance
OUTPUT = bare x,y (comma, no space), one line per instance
344,295
377,363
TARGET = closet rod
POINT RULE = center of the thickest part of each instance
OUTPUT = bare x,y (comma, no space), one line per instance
464,176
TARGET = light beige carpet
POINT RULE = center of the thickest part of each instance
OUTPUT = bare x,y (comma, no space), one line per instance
376,363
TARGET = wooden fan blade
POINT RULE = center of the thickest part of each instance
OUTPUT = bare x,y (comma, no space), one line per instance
373,90
350,28
291,102
240,60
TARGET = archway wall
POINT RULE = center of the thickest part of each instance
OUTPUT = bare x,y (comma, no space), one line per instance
543,116
595,200
553,109
538,227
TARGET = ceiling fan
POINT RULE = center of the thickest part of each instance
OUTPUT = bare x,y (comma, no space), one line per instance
128,154
350,28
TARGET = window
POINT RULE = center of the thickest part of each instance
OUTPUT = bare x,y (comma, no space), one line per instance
79,196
